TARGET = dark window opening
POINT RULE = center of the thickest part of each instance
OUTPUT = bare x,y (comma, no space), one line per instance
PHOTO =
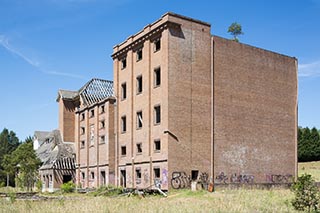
157,45
138,173
102,139
92,175
103,177
139,148
82,130
91,113
139,84
82,145
157,145
123,124
83,175
82,116
123,91
157,77
157,114
156,172
123,150
66,178
102,124
139,119
123,182
194,174
102,109
139,55
123,63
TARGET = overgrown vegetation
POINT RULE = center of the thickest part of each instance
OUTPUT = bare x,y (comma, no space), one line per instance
306,194
235,29
68,187
308,144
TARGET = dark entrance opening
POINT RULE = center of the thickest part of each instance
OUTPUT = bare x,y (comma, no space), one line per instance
123,178
103,178
194,174
67,178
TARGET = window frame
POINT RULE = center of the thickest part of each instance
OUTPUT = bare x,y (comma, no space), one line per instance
123,150
156,117
157,45
139,120
157,77
139,55
155,145
123,91
139,148
139,84
123,63
123,124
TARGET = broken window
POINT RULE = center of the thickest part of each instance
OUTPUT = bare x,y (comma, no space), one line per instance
138,173
92,175
102,124
82,116
123,63
123,91
82,144
156,45
157,77
157,145
123,124
83,175
139,55
139,84
123,150
103,177
194,174
82,130
157,114
139,119
101,109
156,172
139,148
102,139
91,113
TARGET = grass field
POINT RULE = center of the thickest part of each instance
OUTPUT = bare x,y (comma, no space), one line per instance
242,200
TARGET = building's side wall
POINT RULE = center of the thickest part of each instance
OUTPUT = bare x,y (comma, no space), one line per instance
255,114
189,92
67,120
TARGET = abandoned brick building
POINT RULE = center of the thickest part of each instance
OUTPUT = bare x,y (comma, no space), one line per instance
193,105
184,105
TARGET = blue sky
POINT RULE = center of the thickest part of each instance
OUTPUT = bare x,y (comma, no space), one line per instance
47,45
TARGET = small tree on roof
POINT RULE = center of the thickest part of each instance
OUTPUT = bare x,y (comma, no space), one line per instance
235,29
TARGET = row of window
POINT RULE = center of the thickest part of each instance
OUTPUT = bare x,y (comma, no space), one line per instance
156,173
83,115
102,140
102,125
156,48
156,145
92,176
139,84
139,119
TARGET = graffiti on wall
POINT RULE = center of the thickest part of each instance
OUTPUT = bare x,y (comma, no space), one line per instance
234,178
164,177
146,176
180,180
272,178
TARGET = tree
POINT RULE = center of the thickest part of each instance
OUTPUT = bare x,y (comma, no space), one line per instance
8,143
235,30
23,163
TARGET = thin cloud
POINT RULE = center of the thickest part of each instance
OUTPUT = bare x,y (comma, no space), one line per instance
310,69
4,42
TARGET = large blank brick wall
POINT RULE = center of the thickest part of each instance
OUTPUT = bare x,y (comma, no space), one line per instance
255,111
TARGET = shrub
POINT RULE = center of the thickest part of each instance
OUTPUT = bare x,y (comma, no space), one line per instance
108,190
39,185
68,187
306,194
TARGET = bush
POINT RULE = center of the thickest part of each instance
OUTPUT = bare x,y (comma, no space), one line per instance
306,194
108,190
68,187
39,185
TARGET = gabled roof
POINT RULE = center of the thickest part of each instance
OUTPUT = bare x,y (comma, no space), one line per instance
92,92
95,90
53,150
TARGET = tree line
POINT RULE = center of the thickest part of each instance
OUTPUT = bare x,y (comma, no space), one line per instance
18,161
308,144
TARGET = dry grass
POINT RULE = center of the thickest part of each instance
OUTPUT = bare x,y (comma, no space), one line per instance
177,201
276,200
312,168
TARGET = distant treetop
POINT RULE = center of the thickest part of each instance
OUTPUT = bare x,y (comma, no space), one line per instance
235,30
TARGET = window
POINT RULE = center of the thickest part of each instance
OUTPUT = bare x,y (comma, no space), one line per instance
92,175
123,91
91,113
157,145
82,116
82,144
101,109
157,77
194,174
139,55
82,130
102,124
139,119
139,84
138,173
156,172
103,177
123,124
91,134
123,150
156,45
83,175
123,63
157,114
139,148
102,139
